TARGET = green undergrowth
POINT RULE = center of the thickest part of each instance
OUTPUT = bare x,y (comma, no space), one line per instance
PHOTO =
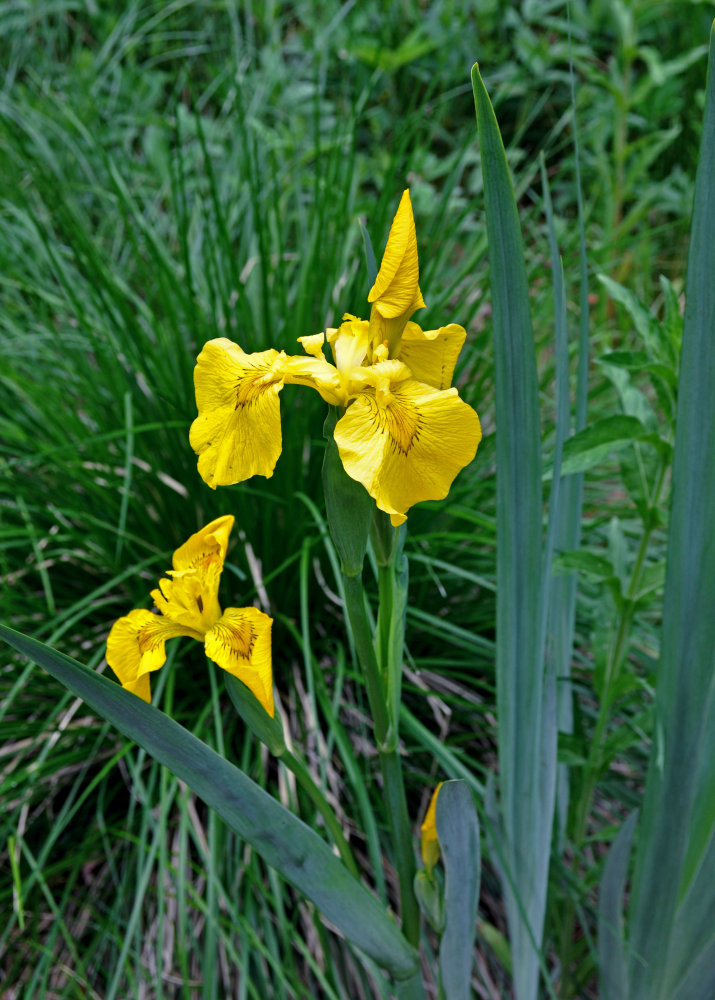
174,173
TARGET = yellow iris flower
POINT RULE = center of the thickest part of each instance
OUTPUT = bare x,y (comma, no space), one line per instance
404,433
238,640
430,841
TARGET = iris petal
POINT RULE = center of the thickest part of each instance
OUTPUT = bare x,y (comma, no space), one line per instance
190,597
206,546
237,433
432,354
396,290
136,647
406,442
430,841
240,643
317,373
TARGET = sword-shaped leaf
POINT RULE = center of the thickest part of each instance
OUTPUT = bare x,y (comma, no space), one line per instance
458,834
284,841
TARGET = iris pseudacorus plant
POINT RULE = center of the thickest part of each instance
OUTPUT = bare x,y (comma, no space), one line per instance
403,432
237,639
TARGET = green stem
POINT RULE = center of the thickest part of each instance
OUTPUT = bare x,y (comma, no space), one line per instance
410,989
362,634
615,661
389,756
402,839
386,585
316,796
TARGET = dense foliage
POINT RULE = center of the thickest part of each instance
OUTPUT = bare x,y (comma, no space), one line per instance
176,172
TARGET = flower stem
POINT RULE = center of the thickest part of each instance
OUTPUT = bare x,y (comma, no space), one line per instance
362,634
314,793
402,839
410,989
389,756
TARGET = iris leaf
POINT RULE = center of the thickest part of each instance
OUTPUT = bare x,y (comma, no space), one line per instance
284,841
458,834
672,915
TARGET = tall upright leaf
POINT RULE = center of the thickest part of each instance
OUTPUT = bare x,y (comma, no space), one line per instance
458,832
672,916
527,730
562,598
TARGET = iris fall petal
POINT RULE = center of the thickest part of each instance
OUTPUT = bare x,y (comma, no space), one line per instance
136,647
237,433
432,354
240,642
406,443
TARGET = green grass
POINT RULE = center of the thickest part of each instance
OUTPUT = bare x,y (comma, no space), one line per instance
172,173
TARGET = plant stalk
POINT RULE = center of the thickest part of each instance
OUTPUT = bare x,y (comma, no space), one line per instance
389,755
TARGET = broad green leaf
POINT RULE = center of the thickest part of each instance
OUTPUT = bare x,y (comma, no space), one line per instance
584,562
652,580
284,841
611,953
643,320
671,952
525,701
639,361
458,834
634,360
595,442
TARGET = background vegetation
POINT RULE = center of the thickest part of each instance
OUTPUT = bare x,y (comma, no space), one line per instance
176,172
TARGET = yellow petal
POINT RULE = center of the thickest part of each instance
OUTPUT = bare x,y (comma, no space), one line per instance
190,597
432,354
430,842
135,647
207,547
188,601
396,290
349,344
317,373
237,433
240,642
313,344
406,441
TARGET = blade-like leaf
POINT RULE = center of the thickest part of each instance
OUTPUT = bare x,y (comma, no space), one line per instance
268,730
284,841
673,898
611,954
527,730
562,597
370,261
458,834
563,524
